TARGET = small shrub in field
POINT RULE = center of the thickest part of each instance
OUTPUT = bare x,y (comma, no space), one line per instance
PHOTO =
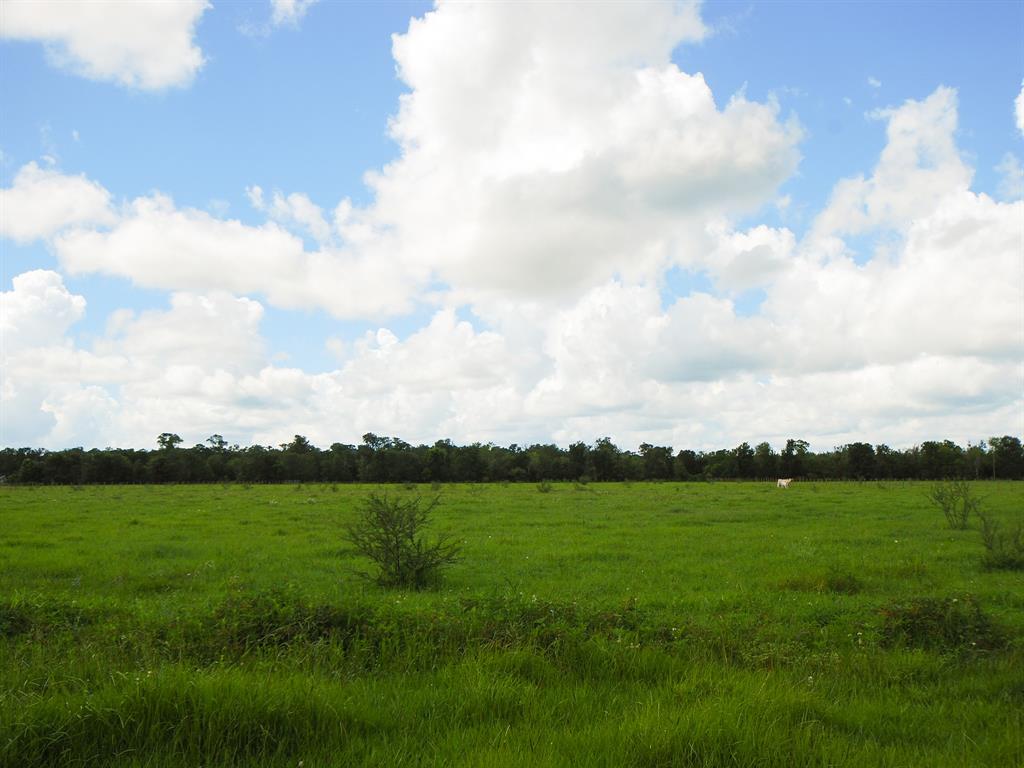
956,500
1004,549
935,623
391,533
544,486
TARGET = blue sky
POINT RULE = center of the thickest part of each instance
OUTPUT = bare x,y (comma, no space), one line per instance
302,106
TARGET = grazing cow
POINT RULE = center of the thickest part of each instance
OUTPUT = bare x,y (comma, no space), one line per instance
784,482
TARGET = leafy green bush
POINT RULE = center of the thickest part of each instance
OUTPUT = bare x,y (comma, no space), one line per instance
544,486
390,532
1004,549
956,500
939,623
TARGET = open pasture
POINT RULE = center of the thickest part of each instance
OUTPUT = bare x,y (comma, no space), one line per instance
725,624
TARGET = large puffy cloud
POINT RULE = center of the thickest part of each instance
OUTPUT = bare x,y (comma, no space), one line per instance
148,45
946,275
37,311
35,316
546,149
147,370
922,338
919,166
213,331
41,202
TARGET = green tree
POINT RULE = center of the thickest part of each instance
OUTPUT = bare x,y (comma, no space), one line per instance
766,461
860,461
1007,457
886,461
792,460
657,461
167,440
299,460
579,460
744,460
606,459
688,464
940,460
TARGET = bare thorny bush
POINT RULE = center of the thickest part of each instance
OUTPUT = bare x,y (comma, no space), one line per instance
956,500
390,531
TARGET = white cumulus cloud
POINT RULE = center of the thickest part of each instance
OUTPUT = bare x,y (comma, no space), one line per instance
158,245
547,148
148,45
211,331
919,165
41,202
37,311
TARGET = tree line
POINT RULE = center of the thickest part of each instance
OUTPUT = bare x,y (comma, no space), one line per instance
380,459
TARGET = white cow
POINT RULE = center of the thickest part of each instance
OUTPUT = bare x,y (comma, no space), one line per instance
784,482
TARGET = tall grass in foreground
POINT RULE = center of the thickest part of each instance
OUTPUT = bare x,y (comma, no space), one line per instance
656,625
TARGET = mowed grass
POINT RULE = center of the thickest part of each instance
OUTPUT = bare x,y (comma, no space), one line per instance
730,624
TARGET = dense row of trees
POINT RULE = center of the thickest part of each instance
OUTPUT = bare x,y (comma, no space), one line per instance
389,459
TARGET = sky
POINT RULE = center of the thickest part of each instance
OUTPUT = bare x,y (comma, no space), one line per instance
514,222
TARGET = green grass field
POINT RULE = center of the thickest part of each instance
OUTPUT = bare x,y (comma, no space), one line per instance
836,624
